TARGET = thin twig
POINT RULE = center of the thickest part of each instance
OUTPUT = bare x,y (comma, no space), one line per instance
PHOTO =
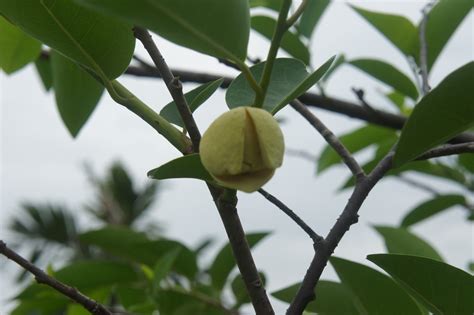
172,83
448,149
41,277
360,94
301,154
278,33
312,234
417,184
227,210
296,15
347,218
424,49
331,139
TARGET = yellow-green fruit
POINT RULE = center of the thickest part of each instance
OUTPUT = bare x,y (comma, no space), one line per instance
242,148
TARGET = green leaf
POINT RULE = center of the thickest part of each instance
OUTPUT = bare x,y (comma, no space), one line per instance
76,309
240,291
41,305
333,298
87,275
430,208
18,49
467,161
188,166
311,16
443,113
224,261
442,288
443,20
77,92
305,85
397,99
43,67
290,43
397,29
136,247
375,292
354,141
214,27
93,40
471,266
388,74
129,296
163,267
194,98
289,80
402,241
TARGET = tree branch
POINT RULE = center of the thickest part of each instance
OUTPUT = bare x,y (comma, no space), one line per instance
331,139
226,202
425,86
172,83
224,199
448,149
332,104
41,277
313,235
348,217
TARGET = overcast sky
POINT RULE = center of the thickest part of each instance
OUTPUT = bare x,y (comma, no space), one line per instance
41,163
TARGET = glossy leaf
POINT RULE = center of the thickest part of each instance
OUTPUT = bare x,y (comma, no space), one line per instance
432,207
397,29
194,98
80,34
218,28
375,292
443,113
443,20
288,81
402,241
354,141
224,261
290,43
333,298
77,92
188,166
164,266
43,67
134,246
388,74
442,288
18,49
306,84
311,16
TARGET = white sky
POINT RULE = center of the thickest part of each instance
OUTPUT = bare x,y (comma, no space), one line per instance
41,163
